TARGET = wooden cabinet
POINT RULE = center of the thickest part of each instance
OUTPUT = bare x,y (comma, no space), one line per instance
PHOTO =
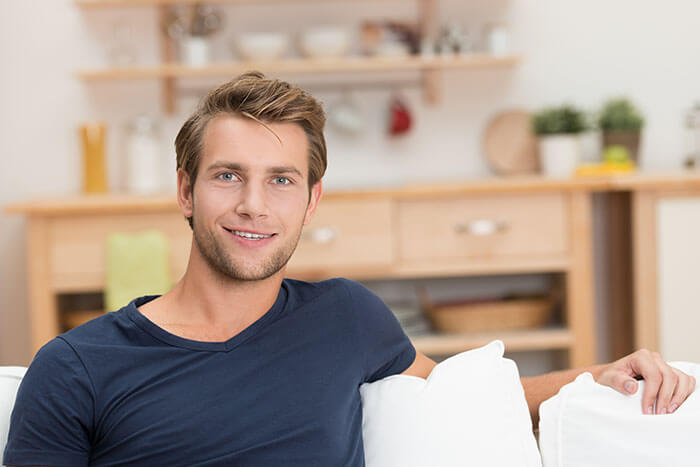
76,254
666,252
498,227
532,225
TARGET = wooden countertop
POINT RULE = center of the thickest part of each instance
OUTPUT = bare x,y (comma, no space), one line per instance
115,203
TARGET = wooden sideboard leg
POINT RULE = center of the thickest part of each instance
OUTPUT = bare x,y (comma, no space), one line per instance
646,316
43,313
619,265
580,311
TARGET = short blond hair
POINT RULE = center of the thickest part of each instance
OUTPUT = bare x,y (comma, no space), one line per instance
252,95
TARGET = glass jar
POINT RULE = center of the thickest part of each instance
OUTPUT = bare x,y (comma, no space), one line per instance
143,155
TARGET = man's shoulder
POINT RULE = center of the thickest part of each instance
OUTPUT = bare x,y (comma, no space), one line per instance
338,287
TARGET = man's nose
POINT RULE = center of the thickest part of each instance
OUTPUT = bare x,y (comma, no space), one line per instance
253,201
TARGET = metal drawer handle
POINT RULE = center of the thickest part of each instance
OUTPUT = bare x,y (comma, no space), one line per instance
321,235
481,227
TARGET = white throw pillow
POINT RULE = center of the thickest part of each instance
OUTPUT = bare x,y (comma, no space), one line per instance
588,424
10,377
471,411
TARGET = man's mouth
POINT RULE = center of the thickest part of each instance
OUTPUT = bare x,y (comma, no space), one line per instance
249,235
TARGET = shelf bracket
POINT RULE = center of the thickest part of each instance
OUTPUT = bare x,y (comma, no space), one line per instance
432,86
167,53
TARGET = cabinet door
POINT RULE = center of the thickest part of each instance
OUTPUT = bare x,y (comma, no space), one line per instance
483,227
352,234
678,264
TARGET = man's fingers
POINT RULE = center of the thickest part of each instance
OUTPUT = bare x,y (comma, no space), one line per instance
668,387
685,387
653,378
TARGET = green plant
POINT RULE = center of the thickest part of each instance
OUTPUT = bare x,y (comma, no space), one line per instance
565,119
620,115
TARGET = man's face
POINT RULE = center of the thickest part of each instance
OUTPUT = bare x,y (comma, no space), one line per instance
251,196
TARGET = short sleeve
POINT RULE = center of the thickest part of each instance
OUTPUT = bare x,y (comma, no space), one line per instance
386,348
53,413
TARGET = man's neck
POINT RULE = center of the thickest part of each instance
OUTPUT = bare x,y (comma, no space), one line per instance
205,306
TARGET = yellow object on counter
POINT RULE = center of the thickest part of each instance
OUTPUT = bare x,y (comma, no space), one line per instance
92,137
605,168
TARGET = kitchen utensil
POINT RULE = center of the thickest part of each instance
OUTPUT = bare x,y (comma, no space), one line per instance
497,39
400,119
195,50
92,136
692,136
262,45
204,20
144,161
509,143
325,42
199,20
122,50
345,115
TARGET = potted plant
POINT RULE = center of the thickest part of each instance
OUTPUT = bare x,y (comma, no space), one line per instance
621,124
193,29
558,130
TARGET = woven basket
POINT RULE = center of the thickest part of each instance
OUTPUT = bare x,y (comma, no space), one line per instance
494,315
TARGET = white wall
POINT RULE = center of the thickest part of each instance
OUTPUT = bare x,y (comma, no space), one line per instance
580,52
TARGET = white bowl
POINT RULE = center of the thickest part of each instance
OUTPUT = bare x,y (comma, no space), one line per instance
262,45
325,42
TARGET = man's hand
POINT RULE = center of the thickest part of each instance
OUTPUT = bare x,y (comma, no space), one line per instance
666,388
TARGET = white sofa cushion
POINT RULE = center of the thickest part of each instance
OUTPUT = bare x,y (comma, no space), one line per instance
10,377
588,424
470,411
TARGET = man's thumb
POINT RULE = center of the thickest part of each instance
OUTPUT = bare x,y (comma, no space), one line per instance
630,386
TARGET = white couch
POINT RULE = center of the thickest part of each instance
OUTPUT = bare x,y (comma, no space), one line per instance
471,411
10,377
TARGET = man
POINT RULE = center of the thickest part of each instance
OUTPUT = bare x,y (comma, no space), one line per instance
236,365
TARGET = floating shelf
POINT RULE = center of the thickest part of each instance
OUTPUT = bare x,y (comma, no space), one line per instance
303,65
146,3
515,341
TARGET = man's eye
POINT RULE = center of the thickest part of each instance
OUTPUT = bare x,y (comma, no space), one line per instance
227,176
282,180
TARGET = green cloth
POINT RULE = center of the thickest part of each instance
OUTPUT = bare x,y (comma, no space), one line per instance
135,264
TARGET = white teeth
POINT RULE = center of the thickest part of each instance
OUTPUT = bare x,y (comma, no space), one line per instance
251,236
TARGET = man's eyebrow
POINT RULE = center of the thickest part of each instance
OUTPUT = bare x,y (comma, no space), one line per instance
285,170
225,165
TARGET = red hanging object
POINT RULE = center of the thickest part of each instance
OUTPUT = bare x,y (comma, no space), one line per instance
400,119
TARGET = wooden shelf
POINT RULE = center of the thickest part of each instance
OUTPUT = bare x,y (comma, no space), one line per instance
146,3
515,341
303,65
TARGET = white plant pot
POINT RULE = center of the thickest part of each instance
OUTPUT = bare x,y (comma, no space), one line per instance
559,155
195,50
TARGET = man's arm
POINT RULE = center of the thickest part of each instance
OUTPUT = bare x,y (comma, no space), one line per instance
666,387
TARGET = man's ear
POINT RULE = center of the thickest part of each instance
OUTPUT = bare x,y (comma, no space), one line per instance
314,198
184,192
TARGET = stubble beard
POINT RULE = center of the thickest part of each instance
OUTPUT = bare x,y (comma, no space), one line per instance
218,259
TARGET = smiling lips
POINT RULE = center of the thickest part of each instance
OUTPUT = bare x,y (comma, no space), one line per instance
249,235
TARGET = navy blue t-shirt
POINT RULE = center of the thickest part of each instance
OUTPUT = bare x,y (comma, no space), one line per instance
120,390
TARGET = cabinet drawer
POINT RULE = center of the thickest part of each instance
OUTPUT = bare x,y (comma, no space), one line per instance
483,227
353,233
77,245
